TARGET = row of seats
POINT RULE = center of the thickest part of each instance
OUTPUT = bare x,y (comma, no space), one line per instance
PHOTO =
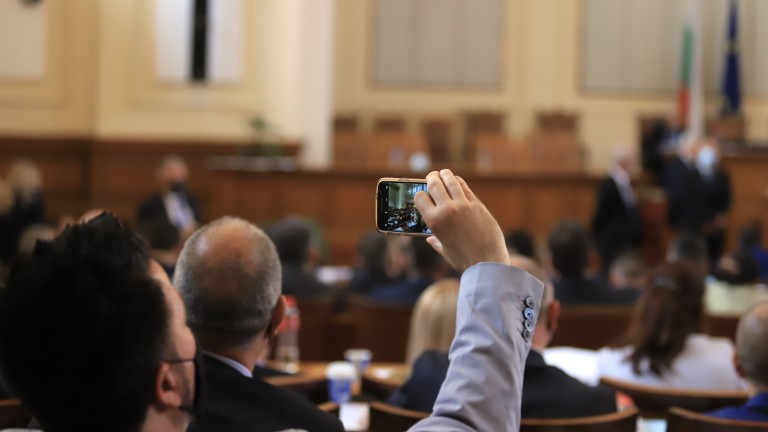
384,329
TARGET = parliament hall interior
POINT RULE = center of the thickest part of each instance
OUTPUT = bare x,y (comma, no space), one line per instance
573,236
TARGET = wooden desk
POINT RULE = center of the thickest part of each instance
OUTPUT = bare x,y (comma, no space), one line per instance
342,201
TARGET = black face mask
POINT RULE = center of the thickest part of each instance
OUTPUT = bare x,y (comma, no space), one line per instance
179,186
195,407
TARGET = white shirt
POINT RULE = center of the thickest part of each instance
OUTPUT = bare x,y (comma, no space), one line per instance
178,211
706,363
228,361
624,185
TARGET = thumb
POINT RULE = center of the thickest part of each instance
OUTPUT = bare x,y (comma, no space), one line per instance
435,243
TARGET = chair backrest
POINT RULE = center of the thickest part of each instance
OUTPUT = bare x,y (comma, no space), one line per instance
727,129
478,123
313,387
381,328
721,326
654,402
389,124
591,327
499,154
13,414
683,420
558,121
351,149
624,421
394,150
438,133
388,418
346,123
315,330
555,152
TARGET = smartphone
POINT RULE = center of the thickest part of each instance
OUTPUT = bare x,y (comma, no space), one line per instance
396,212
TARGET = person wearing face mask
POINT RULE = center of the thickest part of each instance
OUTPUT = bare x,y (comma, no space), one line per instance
173,202
716,193
229,276
124,358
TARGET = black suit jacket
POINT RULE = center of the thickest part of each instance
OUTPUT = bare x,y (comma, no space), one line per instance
615,225
592,291
153,208
685,196
234,403
548,392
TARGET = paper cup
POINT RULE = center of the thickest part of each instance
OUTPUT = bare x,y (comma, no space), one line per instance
361,358
341,375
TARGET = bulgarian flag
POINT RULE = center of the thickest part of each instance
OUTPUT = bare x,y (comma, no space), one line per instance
689,94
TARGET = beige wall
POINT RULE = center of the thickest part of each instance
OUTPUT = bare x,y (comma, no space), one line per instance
541,61
100,82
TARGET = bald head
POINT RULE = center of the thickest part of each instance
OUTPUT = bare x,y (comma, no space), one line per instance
229,276
751,347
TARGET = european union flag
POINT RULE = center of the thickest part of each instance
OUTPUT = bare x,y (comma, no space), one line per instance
731,97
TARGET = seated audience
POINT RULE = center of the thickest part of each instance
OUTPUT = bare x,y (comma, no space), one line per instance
733,288
92,301
173,202
164,242
28,206
751,361
627,271
690,249
293,239
520,242
548,392
750,240
229,274
428,267
570,248
665,344
382,260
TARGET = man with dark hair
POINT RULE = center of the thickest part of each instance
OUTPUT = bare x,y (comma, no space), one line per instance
690,249
124,357
229,276
520,242
293,239
569,248
751,362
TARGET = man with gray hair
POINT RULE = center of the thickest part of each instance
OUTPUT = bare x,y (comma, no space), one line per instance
751,360
229,276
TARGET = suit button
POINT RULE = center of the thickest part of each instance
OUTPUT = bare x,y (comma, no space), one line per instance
529,325
528,313
527,335
530,302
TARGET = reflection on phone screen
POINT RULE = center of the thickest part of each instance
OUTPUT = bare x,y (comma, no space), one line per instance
400,212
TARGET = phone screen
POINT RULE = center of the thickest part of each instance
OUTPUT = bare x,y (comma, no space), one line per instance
395,208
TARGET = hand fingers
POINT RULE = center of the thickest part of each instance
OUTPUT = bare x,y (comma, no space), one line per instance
435,243
452,184
467,191
436,189
423,202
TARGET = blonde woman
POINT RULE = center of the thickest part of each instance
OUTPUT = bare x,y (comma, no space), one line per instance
433,326
28,206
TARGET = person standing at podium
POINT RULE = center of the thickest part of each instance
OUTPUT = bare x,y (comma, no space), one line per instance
616,223
173,202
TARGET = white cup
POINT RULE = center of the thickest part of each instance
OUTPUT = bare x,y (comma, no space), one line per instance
341,375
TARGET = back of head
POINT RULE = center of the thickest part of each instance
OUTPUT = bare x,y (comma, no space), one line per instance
83,329
24,178
569,248
373,253
669,310
292,237
751,347
520,242
433,323
426,260
229,276
689,249
628,271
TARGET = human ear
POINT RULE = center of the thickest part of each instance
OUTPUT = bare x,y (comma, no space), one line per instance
278,313
167,387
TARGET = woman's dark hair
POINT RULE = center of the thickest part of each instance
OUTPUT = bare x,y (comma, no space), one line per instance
669,310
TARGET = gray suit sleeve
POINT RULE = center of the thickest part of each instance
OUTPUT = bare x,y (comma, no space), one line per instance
483,388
